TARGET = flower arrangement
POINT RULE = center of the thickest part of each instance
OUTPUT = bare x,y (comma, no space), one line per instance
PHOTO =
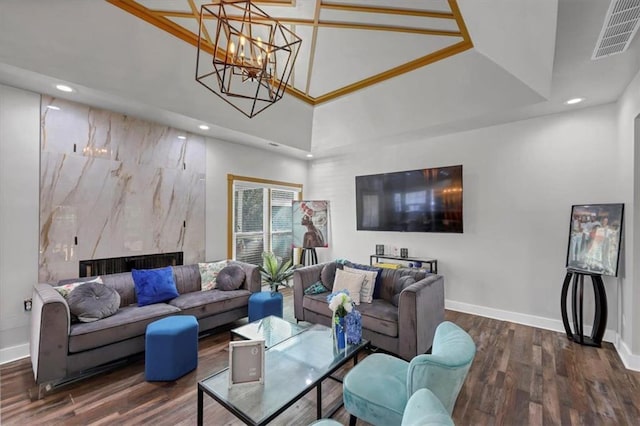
345,318
340,304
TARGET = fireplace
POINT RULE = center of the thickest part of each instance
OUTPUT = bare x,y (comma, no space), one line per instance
113,265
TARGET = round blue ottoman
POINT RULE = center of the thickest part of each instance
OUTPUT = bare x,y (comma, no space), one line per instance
263,304
171,348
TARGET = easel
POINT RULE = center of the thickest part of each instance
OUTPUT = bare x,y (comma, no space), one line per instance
312,259
577,297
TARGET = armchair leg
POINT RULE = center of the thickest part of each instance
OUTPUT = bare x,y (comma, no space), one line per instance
352,420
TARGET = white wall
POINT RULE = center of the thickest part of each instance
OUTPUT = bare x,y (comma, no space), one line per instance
629,140
19,192
227,158
520,180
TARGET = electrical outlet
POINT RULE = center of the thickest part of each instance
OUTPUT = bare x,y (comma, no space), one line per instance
27,304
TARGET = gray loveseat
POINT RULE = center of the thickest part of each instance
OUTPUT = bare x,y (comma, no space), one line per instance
61,350
405,330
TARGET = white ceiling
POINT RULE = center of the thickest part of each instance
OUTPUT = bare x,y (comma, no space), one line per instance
528,58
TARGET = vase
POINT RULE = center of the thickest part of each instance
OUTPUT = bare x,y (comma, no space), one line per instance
341,337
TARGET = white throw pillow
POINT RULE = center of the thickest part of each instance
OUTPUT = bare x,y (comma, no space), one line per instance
368,285
350,282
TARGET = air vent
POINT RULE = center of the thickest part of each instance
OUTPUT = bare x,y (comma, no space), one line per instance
620,25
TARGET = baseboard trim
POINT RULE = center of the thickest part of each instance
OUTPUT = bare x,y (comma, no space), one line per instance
14,353
630,361
525,319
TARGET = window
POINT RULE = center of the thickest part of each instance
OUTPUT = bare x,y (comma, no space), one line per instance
260,218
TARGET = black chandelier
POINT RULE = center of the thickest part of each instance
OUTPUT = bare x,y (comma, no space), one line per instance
244,56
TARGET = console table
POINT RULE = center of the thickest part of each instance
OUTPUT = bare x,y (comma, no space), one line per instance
433,263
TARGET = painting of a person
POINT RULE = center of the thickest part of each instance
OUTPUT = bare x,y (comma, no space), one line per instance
313,237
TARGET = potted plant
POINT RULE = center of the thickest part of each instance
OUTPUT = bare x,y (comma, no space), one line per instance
274,272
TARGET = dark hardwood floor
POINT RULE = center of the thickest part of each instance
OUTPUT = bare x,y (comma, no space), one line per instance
520,376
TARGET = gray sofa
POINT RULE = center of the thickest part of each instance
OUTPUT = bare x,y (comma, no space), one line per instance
61,350
406,330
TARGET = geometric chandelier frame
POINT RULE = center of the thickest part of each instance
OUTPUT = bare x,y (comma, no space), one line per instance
244,56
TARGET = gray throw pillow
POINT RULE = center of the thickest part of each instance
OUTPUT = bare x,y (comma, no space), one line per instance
230,277
402,283
93,301
328,275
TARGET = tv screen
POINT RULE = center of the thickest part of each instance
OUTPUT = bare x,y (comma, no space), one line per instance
425,200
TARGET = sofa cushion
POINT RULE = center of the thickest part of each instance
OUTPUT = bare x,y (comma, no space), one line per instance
128,322
230,277
402,283
187,278
203,304
377,288
68,286
316,288
209,272
154,285
368,284
349,281
93,301
379,316
328,274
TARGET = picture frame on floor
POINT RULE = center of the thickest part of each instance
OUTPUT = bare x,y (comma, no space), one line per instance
246,362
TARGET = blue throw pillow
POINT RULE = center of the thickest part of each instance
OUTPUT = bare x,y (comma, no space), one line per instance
377,286
154,285
316,288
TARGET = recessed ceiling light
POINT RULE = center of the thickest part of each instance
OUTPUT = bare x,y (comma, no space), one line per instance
64,88
574,101
309,155
204,127
182,137
53,107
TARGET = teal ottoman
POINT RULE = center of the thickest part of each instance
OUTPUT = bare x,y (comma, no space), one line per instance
263,304
171,348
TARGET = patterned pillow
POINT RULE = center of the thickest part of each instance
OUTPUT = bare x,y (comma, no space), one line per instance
316,288
209,272
65,289
368,285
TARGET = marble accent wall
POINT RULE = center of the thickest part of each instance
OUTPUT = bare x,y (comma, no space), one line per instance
113,185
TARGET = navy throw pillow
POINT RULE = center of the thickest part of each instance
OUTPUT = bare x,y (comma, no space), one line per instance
154,285
377,286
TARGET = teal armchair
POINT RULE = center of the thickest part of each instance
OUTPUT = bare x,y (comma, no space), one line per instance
378,389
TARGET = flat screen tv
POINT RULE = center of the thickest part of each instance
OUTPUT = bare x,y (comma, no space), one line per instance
425,200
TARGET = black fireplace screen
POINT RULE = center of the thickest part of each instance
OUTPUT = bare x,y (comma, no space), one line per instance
113,265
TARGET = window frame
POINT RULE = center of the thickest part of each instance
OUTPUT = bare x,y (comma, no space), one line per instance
269,184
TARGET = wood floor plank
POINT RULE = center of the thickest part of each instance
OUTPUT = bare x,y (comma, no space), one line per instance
520,376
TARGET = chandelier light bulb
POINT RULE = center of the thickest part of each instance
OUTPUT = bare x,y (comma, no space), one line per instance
232,48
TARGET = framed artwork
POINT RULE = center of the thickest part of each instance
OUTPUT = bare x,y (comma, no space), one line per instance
246,362
595,233
310,224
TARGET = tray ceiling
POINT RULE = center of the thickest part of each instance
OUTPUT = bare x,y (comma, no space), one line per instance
346,46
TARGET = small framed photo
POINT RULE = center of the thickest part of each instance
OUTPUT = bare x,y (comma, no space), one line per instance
246,362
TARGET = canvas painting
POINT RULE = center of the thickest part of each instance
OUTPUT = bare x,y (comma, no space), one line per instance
310,224
594,238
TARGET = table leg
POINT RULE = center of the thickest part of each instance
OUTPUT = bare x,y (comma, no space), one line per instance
319,401
200,404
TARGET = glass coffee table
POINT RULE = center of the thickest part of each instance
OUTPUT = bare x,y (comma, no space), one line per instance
292,368
271,329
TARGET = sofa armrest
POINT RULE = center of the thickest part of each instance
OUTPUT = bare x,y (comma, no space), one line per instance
49,343
420,310
303,278
253,280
